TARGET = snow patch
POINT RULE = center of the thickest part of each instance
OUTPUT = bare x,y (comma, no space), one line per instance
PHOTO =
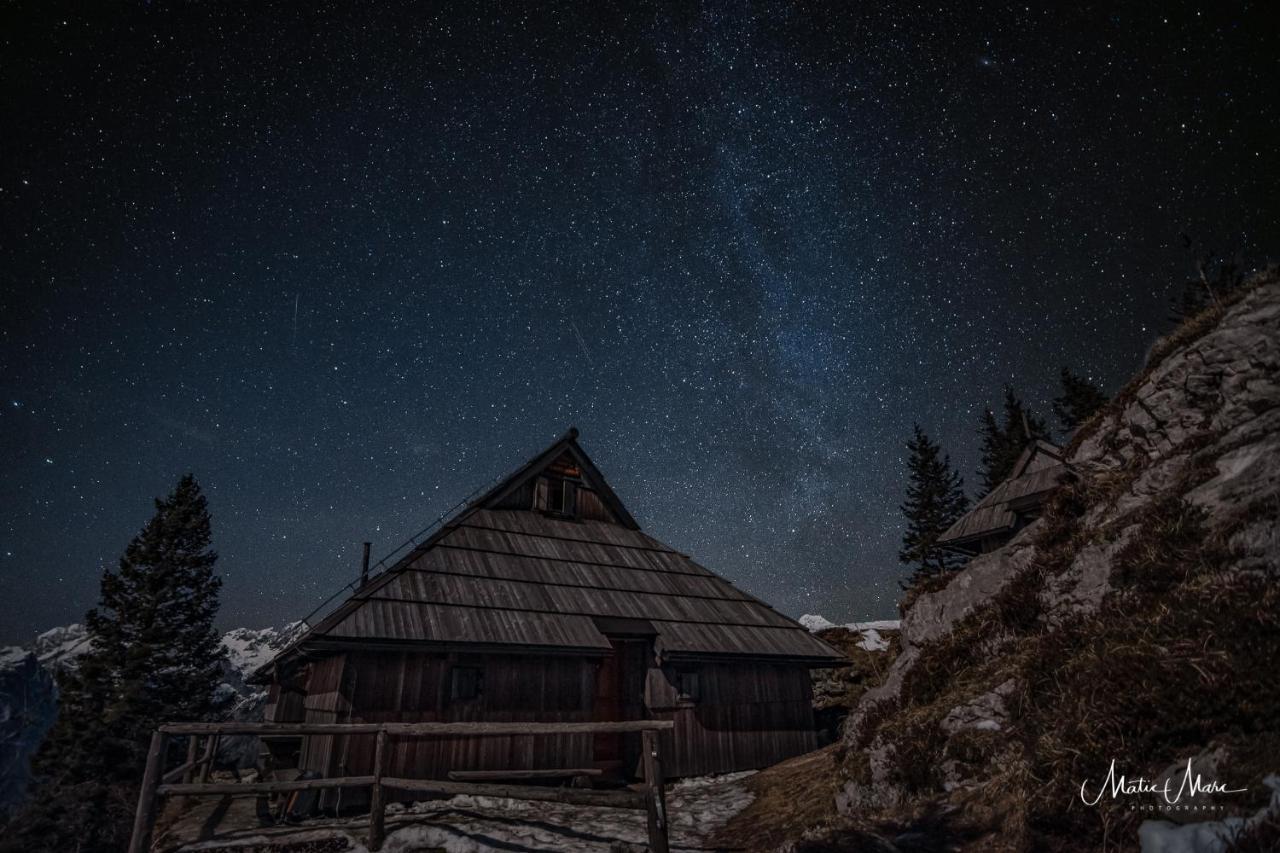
249,649
60,647
12,655
471,824
1211,836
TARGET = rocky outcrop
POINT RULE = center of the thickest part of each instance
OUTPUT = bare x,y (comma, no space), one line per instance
1159,557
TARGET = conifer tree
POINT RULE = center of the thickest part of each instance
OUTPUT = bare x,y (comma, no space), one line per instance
935,500
1003,440
1215,277
153,657
1080,399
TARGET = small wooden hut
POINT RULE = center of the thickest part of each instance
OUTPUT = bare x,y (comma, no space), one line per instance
543,601
1010,506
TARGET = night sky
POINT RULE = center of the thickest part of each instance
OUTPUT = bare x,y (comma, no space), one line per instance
349,267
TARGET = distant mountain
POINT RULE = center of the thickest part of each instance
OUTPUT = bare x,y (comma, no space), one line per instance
29,693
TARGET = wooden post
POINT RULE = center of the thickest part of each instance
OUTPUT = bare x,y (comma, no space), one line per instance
191,758
206,760
144,820
377,798
655,792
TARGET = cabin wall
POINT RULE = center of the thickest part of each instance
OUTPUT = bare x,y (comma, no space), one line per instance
409,687
744,717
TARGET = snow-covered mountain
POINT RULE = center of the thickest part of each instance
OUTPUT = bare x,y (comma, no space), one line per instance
870,631
29,694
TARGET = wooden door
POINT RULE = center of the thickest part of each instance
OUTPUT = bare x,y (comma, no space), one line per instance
607,707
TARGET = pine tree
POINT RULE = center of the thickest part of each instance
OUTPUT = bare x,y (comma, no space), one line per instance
1079,400
935,500
1215,278
992,451
1004,440
153,657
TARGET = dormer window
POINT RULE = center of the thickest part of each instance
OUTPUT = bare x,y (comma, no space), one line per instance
562,496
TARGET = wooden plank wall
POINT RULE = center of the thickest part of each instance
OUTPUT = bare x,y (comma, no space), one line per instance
325,702
411,687
747,716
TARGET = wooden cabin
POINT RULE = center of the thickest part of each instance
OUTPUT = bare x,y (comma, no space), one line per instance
1010,506
544,601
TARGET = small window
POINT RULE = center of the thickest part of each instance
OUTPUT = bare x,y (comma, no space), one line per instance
687,685
562,497
465,683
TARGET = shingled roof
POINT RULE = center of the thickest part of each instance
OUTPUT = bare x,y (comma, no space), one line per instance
1035,474
500,577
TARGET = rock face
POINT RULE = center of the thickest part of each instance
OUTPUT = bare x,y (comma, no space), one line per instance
1174,500
29,694
870,648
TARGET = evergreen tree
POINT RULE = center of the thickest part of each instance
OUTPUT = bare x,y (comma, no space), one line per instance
1080,399
1004,440
153,657
1215,278
935,500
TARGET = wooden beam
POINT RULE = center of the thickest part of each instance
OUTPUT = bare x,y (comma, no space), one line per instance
610,799
182,772
377,799
417,729
270,728
480,775
206,760
655,797
191,758
144,819
266,787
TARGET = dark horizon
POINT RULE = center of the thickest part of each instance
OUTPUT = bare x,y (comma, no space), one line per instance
349,267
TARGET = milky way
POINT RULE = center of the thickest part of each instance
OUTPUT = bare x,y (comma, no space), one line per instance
347,267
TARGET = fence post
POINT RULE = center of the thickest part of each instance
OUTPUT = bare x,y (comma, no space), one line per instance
206,760
192,743
377,799
655,793
144,819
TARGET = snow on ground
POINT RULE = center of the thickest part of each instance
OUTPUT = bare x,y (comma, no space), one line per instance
870,631
1212,836
470,824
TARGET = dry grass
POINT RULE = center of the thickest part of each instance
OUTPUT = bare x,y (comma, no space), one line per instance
1179,657
867,669
790,798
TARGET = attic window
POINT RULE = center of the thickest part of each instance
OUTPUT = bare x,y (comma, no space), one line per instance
562,496
465,683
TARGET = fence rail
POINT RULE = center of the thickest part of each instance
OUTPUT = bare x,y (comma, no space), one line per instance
157,783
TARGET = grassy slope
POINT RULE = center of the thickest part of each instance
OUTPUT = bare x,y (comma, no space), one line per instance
1179,656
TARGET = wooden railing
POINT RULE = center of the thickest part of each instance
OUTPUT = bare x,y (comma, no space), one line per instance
191,777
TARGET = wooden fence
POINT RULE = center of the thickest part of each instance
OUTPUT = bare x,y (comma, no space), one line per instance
191,777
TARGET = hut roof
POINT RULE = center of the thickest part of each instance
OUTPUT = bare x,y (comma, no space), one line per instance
1035,474
502,577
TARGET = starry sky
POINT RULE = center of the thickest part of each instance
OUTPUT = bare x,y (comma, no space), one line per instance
348,265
